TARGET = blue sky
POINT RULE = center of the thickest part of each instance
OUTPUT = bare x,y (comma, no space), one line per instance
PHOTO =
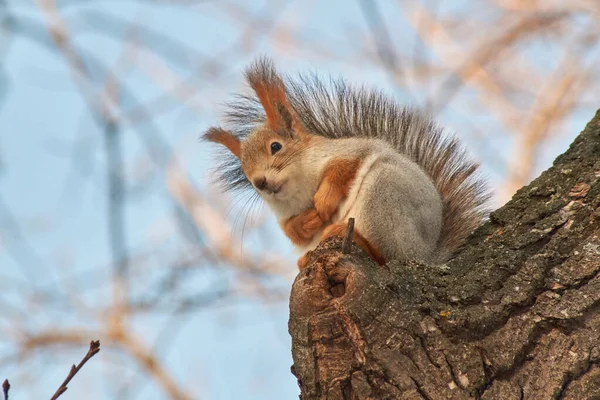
53,182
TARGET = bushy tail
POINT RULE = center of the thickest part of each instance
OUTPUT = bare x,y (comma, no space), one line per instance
336,109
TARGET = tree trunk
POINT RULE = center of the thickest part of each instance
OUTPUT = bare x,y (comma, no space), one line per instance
515,315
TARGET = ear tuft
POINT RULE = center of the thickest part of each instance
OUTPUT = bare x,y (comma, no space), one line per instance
271,92
226,138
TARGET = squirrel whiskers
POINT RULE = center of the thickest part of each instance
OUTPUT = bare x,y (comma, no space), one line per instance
319,153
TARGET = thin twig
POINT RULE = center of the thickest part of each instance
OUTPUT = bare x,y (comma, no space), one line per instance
94,349
349,235
5,388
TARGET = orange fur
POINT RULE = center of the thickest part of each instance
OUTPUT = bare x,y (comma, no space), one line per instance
265,99
270,91
301,228
278,96
335,184
227,139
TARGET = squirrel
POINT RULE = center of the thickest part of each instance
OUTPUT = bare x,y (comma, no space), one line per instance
319,153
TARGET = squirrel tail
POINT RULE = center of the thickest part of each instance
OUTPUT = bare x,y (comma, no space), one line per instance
336,109
464,194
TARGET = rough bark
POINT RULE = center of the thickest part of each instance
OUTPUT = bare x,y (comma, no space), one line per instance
515,315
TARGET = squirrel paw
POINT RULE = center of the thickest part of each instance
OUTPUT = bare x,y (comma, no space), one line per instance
337,179
327,200
302,228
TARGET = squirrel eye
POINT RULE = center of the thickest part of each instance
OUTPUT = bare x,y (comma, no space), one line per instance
275,147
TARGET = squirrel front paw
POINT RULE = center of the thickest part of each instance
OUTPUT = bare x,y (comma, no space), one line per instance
327,200
302,228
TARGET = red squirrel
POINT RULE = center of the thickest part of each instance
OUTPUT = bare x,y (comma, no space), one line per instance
320,153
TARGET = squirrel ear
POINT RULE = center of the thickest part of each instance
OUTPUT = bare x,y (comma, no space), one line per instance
226,138
271,93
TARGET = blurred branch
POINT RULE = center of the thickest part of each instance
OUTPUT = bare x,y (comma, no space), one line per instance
150,364
116,219
553,103
105,116
432,32
157,147
17,246
383,43
491,49
215,228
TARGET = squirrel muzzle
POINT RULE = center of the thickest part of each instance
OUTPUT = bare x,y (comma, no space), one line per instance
266,186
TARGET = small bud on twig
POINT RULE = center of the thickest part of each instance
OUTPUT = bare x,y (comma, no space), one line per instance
94,349
5,388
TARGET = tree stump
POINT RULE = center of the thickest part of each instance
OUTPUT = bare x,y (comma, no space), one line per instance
515,315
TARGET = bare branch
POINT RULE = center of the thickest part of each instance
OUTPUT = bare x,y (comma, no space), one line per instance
94,349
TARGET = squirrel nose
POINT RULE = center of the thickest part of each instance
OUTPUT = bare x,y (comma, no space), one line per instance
260,183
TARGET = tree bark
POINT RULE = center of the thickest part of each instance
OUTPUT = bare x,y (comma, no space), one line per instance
515,315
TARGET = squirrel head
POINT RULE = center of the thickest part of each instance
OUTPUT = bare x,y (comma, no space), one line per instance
272,155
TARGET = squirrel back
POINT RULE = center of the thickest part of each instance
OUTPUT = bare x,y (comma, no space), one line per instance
336,110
